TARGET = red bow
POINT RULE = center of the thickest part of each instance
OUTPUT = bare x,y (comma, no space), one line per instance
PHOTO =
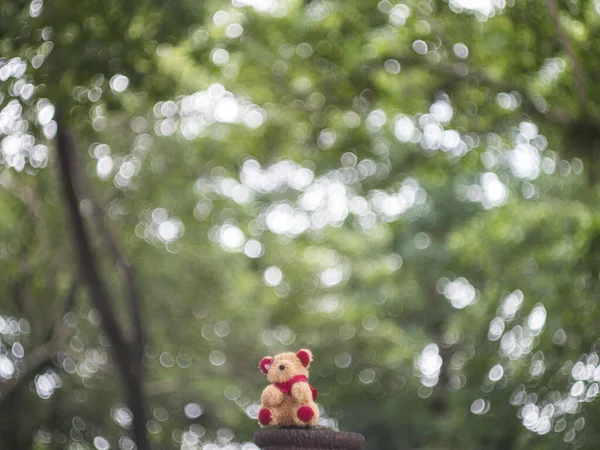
286,387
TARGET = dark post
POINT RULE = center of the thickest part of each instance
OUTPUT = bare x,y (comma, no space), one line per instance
308,439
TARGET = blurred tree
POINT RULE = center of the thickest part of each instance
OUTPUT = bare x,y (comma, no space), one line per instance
409,188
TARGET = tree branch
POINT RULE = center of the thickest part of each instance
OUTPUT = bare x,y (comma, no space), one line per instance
32,363
27,195
22,291
24,193
87,262
130,369
36,359
119,259
555,115
567,45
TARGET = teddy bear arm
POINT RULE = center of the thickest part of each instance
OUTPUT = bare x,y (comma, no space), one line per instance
301,393
271,396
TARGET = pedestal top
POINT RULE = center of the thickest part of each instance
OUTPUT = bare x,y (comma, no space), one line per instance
314,438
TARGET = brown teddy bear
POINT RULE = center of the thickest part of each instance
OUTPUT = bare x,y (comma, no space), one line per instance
289,399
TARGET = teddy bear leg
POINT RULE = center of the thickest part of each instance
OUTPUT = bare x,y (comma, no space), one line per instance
265,417
270,417
305,415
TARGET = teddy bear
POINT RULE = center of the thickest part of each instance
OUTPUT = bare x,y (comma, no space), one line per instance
289,399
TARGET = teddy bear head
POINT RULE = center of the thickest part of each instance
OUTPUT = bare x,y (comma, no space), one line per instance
284,366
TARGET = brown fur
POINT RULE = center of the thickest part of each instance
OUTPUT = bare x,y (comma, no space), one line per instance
284,407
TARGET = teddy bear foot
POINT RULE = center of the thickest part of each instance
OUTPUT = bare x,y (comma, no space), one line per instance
265,417
305,414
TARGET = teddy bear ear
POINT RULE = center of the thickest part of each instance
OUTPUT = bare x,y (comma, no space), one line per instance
265,363
305,357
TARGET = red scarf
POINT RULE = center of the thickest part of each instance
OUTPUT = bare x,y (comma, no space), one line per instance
286,387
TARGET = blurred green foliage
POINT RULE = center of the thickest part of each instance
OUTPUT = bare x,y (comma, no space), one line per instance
409,189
